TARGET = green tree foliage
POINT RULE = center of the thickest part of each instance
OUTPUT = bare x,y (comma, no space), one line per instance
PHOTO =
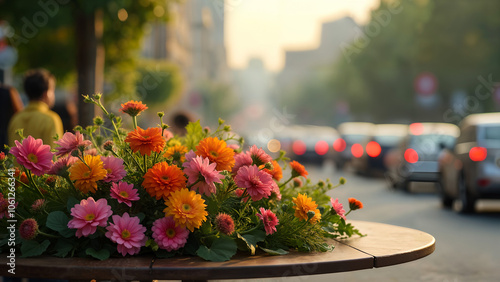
219,101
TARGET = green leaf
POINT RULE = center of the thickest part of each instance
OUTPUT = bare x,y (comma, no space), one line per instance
152,244
102,254
58,221
276,252
63,247
72,201
252,238
33,248
194,133
222,249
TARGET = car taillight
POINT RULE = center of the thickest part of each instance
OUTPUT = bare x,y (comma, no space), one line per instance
373,149
298,147
357,150
478,154
416,128
411,156
339,145
321,147
483,182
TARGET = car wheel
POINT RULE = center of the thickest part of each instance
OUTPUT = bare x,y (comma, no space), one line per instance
446,200
468,202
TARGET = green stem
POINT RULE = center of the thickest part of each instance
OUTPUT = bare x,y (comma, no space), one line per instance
48,235
286,182
134,121
32,181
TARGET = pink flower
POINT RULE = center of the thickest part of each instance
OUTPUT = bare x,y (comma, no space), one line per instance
33,155
189,156
4,207
338,208
128,233
239,193
168,236
259,156
124,193
60,167
2,156
224,223
28,229
276,190
269,219
258,183
88,215
240,160
70,142
200,171
234,146
114,167
38,205
167,134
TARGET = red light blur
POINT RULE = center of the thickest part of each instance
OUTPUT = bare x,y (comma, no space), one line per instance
411,156
483,182
478,154
339,145
321,147
299,147
357,150
373,149
416,128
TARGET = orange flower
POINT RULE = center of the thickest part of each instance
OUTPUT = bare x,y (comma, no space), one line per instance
187,208
217,152
176,152
355,204
87,174
303,205
133,108
276,172
298,169
146,141
163,179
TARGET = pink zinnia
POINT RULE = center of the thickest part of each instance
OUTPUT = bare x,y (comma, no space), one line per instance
338,208
224,223
33,155
259,156
70,142
240,160
269,219
276,190
114,168
60,167
258,183
168,236
28,229
200,171
88,215
124,193
167,134
128,233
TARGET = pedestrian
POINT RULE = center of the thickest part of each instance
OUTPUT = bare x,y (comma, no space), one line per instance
10,104
37,119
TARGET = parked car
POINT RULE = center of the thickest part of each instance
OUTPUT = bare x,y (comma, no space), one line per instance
350,133
311,143
416,157
370,155
471,170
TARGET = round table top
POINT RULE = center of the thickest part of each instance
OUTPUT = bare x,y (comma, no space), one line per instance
384,245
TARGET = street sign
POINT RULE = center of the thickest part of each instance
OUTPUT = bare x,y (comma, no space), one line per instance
425,84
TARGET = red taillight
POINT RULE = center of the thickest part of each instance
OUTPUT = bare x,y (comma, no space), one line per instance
321,147
299,147
411,156
339,145
357,150
416,128
373,149
483,182
478,154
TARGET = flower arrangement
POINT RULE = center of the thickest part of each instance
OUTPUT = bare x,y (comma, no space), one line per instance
105,191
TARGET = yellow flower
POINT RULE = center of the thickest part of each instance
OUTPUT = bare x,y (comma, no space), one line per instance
303,205
87,174
187,208
176,152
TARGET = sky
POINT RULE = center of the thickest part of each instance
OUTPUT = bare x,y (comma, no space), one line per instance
265,28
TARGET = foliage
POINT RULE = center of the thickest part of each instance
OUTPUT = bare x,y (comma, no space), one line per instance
58,215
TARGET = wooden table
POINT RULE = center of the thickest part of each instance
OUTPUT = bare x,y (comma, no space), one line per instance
385,245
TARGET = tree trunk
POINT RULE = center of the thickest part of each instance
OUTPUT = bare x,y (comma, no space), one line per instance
90,61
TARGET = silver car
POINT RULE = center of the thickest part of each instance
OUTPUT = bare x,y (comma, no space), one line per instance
471,170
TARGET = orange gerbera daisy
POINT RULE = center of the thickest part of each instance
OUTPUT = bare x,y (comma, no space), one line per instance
303,205
217,152
87,174
146,141
163,179
355,204
298,169
176,152
133,108
276,172
187,208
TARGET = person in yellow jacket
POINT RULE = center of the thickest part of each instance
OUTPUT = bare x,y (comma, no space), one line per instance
37,119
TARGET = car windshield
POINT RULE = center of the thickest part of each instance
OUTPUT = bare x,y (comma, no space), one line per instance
492,132
429,143
387,140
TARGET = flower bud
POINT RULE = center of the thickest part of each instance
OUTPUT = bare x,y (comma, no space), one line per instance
38,206
87,99
28,229
221,121
342,181
227,128
224,223
78,128
108,145
98,121
97,96
310,214
160,114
